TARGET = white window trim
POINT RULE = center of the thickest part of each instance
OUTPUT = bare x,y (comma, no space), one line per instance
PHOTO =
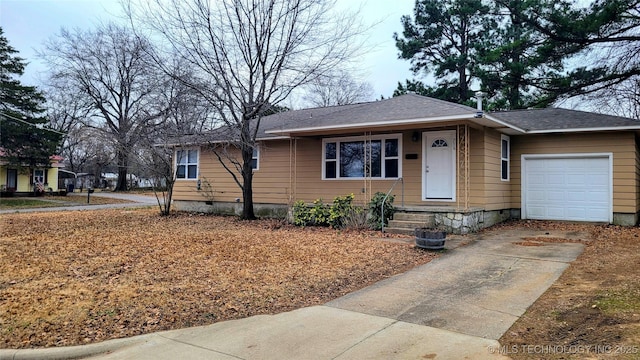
507,159
36,176
175,164
257,157
338,140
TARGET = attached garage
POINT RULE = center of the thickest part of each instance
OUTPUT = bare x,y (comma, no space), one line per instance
575,187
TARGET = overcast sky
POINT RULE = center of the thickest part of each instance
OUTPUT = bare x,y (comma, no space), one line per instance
28,23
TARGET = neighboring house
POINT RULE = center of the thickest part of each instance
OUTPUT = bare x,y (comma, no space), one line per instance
17,181
470,169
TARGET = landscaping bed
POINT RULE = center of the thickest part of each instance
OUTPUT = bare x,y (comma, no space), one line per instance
81,277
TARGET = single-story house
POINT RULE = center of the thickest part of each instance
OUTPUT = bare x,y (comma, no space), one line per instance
21,181
468,168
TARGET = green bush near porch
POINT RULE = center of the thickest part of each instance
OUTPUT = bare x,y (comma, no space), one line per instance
321,214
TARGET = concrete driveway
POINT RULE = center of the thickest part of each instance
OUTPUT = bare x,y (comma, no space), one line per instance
455,307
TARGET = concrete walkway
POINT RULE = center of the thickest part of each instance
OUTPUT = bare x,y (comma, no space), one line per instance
455,307
135,201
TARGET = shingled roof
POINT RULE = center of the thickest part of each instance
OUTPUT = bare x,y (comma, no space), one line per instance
418,110
564,120
401,109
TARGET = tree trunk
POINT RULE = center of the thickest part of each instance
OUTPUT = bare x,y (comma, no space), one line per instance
122,171
247,188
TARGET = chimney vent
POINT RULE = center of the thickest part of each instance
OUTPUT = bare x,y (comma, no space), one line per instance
479,96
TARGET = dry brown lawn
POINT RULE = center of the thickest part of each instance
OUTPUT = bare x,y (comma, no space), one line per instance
593,310
80,277
55,201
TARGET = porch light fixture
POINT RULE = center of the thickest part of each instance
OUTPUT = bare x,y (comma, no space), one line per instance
415,137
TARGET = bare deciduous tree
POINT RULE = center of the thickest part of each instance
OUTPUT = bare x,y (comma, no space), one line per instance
186,115
339,88
68,113
620,100
249,55
112,69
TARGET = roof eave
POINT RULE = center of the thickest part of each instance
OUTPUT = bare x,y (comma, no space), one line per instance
200,143
377,124
504,123
591,129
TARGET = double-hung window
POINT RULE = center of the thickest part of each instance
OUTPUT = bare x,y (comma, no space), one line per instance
505,149
255,158
38,176
362,157
187,164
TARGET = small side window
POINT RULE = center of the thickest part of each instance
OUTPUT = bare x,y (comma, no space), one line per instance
255,158
187,164
330,160
505,150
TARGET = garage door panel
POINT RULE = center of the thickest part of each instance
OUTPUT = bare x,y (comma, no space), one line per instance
552,165
596,214
599,198
536,195
577,179
578,196
555,212
555,179
599,180
575,213
552,195
535,180
571,188
536,212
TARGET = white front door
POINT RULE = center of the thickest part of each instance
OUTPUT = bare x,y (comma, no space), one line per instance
439,165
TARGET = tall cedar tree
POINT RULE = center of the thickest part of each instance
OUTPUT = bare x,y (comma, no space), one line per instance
440,40
516,61
607,30
521,55
25,143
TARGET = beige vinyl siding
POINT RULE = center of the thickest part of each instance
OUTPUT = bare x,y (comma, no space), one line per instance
289,173
477,158
411,170
497,193
270,183
310,186
291,170
636,182
621,144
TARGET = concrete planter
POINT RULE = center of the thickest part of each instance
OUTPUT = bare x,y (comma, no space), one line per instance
430,239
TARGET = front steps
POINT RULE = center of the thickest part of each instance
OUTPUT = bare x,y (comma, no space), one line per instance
407,222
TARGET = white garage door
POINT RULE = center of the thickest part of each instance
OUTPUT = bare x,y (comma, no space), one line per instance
567,188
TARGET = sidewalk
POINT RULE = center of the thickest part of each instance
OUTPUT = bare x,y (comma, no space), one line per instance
457,306
136,201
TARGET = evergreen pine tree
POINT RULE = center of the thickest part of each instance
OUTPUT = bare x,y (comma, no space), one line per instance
439,40
25,142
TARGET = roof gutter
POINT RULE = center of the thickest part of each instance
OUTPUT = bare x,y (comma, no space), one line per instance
383,124
552,131
505,124
196,143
